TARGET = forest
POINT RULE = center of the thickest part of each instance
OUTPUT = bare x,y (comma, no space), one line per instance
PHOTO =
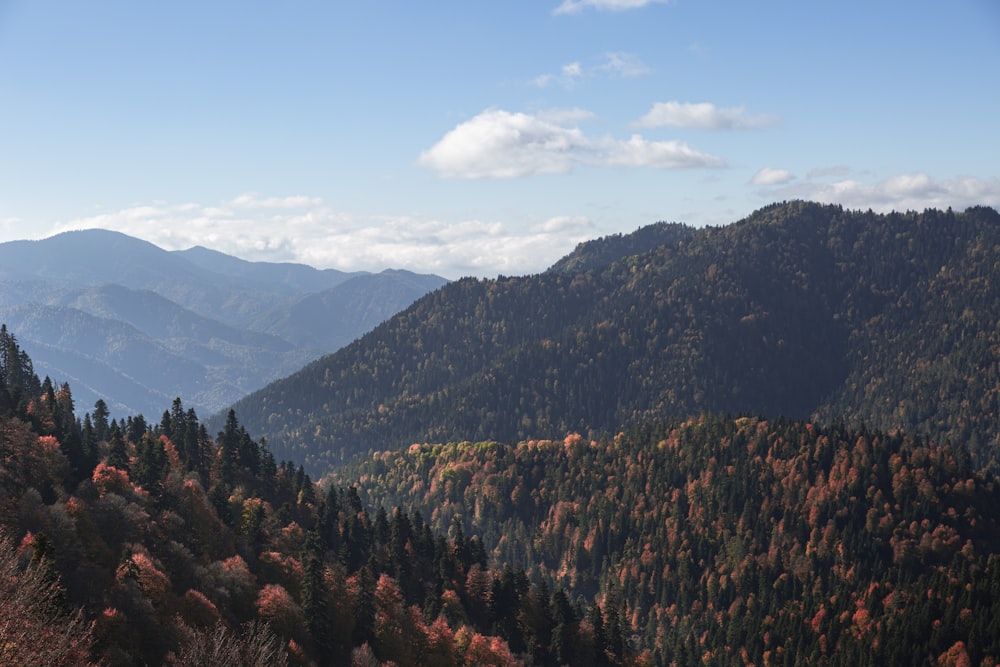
734,541
801,310
714,540
136,543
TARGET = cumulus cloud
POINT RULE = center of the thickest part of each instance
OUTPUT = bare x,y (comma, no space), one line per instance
638,152
576,6
501,144
911,191
702,116
771,176
308,231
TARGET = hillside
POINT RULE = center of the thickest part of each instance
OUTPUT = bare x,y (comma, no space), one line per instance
332,318
734,541
135,325
714,541
128,544
799,310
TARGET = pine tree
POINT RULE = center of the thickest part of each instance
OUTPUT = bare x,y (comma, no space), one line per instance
117,451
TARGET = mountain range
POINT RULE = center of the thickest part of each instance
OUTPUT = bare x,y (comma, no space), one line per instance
843,512
800,310
125,321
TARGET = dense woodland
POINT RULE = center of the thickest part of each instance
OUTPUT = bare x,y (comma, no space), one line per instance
144,544
801,310
713,541
735,541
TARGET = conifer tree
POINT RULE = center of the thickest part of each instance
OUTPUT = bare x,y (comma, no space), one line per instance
117,451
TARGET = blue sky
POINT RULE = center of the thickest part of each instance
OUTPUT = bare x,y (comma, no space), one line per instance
480,137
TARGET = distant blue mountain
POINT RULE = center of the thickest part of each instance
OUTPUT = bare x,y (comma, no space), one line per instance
144,325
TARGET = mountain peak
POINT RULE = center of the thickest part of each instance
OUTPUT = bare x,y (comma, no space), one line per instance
598,253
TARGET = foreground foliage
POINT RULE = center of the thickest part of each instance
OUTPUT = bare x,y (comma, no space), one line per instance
132,544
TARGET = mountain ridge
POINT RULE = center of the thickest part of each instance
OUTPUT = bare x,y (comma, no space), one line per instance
783,313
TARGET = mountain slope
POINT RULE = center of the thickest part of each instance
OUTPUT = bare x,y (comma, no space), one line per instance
295,278
134,372
799,309
130,544
136,325
334,317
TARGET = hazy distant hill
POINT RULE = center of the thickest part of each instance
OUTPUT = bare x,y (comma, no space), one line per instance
799,310
330,319
136,325
295,278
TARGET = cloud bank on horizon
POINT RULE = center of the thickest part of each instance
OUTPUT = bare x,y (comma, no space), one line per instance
305,230
478,140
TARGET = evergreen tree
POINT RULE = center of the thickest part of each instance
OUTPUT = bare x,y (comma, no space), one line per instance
117,451
100,418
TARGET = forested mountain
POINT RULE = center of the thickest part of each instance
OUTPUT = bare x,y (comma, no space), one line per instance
734,541
134,325
127,543
799,310
712,541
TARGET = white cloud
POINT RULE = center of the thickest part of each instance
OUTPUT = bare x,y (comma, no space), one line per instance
911,191
566,116
573,70
563,224
771,176
638,152
501,144
615,64
623,64
576,6
543,80
252,200
317,235
702,116
8,222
